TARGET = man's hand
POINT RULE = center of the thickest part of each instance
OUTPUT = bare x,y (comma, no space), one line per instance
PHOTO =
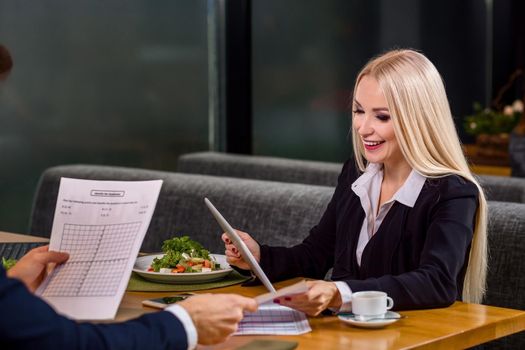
33,267
216,316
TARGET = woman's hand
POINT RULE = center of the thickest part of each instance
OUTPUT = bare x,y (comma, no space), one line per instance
233,257
320,295
32,268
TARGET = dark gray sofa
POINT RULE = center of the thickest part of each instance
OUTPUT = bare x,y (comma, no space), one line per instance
278,213
497,188
273,212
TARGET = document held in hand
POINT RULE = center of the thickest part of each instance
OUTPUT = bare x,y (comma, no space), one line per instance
101,224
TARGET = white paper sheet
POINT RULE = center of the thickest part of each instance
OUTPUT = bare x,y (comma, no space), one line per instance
101,224
274,319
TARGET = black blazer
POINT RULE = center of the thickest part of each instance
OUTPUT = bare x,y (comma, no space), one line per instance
418,255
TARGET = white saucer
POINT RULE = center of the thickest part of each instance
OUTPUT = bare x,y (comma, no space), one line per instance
374,323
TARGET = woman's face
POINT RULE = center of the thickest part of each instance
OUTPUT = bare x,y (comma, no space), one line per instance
371,120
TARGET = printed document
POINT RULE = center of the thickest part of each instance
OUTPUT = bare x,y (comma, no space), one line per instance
274,319
101,224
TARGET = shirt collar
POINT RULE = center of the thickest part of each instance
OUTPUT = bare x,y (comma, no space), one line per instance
411,189
407,193
372,169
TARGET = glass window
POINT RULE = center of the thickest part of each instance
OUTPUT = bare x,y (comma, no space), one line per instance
306,55
102,82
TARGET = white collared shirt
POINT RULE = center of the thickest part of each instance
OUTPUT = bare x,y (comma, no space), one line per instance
368,188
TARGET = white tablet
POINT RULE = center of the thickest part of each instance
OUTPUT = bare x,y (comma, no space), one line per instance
239,244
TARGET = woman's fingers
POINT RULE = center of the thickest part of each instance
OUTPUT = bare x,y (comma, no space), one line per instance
225,239
232,248
235,261
314,301
231,254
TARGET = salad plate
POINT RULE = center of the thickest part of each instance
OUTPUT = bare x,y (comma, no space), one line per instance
143,263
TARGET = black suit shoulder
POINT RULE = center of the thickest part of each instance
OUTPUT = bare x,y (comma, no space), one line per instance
349,173
449,187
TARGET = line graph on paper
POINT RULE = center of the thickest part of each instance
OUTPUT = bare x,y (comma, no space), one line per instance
97,262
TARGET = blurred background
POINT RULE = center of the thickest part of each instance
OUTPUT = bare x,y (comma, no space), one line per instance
137,83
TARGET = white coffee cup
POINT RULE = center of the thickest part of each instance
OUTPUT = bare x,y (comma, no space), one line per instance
370,304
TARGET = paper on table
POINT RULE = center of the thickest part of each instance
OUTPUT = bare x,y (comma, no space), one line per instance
297,288
101,224
274,319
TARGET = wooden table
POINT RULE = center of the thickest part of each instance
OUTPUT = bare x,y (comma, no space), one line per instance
15,237
461,325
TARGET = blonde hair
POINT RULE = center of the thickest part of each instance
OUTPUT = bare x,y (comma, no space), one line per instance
428,139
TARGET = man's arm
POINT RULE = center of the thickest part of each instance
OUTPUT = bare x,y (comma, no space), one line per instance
27,322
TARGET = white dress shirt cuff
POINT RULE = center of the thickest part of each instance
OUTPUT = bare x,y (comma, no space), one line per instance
187,323
346,296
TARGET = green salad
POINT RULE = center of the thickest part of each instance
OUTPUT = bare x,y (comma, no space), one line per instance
182,254
8,263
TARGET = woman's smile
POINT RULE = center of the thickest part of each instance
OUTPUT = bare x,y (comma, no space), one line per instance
372,145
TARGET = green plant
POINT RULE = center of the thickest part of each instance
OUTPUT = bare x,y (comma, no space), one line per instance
492,122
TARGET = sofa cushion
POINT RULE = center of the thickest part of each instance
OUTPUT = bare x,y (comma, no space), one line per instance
506,238
506,273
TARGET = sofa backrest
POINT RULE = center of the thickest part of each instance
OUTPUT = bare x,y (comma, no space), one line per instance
503,188
497,188
260,167
274,213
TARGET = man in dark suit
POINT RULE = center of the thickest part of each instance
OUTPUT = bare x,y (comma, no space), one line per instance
27,322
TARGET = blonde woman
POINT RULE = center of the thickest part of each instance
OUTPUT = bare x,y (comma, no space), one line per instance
407,216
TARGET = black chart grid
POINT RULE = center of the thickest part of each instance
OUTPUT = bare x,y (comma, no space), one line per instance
98,258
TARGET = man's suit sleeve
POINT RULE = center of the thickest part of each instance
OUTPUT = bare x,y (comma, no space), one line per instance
27,322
